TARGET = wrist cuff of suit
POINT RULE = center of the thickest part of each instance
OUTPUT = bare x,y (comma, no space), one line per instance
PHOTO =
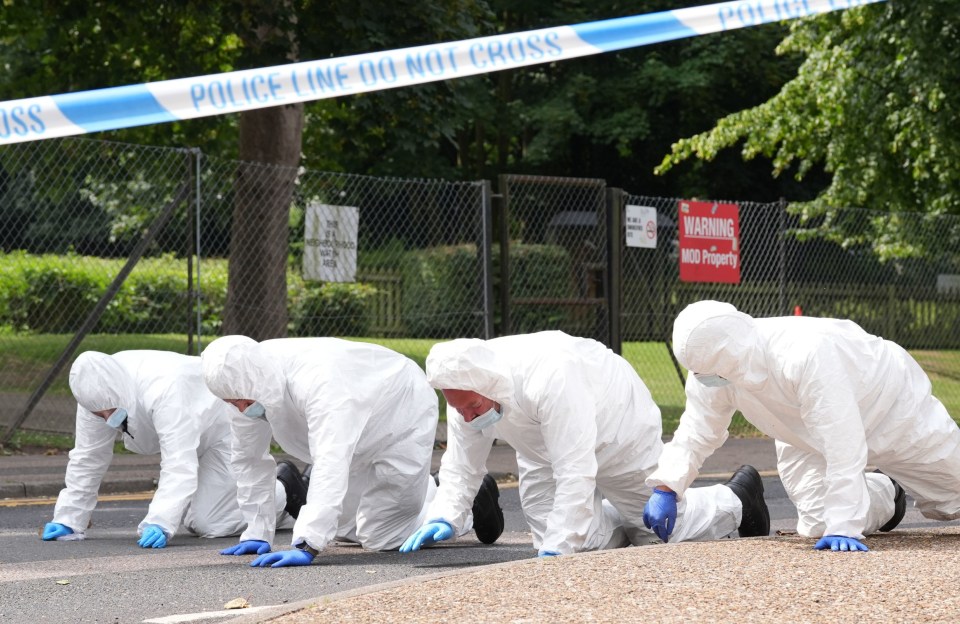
305,547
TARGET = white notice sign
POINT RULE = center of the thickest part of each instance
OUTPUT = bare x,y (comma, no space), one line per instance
641,224
330,243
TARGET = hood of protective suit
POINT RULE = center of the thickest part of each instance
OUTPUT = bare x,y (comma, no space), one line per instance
470,364
714,338
237,367
99,382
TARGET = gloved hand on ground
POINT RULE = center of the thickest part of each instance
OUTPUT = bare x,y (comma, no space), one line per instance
152,537
427,535
247,547
840,542
283,558
660,513
53,530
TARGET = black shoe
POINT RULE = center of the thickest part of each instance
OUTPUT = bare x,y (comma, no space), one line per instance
305,477
748,486
487,515
292,481
899,506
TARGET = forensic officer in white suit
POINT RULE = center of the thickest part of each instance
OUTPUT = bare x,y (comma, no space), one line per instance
586,432
158,402
836,399
364,417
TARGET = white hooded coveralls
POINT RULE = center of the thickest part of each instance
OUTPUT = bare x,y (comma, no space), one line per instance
363,415
171,412
834,397
584,428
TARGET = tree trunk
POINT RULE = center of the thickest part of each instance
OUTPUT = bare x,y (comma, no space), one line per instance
270,143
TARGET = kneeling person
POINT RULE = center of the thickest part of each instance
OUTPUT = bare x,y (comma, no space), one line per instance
364,417
158,402
587,434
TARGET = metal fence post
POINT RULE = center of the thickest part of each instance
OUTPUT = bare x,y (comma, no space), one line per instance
615,203
501,204
486,256
190,242
198,199
782,205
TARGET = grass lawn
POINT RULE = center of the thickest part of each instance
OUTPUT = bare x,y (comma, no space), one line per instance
24,360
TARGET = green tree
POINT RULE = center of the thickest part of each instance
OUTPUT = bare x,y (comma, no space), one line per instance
613,115
875,105
82,44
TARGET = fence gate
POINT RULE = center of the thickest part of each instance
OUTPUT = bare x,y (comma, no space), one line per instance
554,231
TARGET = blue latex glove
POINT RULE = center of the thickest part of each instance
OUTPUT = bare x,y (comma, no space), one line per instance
152,537
660,513
247,547
839,542
428,535
53,530
295,557
548,553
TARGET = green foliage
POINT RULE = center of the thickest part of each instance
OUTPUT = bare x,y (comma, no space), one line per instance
538,272
73,45
55,294
874,104
331,309
439,291
608,116
58,297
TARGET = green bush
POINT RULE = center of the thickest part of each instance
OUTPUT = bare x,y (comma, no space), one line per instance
536,272
56,293
441,292
331,309
441,289
58,297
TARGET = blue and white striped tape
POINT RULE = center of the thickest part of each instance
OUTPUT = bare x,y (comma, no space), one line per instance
187,98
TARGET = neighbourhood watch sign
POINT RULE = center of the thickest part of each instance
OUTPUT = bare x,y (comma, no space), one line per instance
330,243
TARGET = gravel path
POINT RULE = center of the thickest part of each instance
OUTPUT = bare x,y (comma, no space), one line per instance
908,576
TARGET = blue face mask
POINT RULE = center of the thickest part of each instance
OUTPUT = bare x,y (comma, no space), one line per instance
484,420
116,419
255,410
711,381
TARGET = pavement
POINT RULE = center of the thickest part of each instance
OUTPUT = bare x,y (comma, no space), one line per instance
40,476
561,589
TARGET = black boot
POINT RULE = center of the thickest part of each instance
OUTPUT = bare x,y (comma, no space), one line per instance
305,477
487,515
748,486
292,481
899,506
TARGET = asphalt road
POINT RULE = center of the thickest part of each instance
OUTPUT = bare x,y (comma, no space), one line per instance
107,578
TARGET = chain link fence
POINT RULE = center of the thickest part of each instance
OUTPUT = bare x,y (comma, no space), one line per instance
556,236
381,258
825,266
109,246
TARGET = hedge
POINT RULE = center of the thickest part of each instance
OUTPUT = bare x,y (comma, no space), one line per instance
55,293
442,289
440,294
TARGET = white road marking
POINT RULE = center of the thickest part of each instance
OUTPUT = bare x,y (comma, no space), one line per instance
23,502
203,615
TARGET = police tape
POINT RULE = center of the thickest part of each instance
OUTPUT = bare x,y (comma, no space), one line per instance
217,94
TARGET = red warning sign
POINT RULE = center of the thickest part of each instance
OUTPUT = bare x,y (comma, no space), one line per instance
709,242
